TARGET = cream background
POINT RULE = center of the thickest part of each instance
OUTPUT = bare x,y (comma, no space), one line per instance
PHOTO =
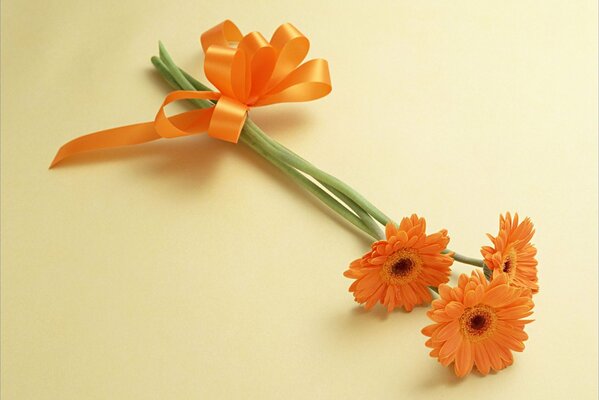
191,269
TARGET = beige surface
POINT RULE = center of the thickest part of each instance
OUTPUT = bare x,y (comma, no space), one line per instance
190,269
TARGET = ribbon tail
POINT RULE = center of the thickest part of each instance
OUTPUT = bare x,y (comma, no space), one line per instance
115,137
187,123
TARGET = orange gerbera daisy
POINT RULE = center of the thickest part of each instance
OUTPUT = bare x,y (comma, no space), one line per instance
398,270
513,255
478,323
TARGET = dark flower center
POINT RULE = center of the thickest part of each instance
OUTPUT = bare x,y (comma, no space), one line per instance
478,322
402,267
507,265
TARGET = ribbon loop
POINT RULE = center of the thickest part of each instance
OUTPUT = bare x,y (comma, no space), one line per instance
187,123
221,35
261,58
225,68
292,47
309,81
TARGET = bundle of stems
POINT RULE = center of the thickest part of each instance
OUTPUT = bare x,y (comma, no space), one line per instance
337,195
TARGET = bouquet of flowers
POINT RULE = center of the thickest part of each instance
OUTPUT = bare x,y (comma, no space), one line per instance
476,324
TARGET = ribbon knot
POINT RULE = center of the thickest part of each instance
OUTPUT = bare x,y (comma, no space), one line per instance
248,71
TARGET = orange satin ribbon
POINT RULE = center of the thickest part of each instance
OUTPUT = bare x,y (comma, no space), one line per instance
252,74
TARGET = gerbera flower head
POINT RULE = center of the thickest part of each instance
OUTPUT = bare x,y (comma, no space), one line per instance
478,323
512,253
398,270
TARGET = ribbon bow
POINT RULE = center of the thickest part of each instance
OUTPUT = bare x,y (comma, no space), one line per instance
252,74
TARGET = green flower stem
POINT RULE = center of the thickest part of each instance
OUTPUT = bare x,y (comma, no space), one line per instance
364,216
296,161
488,272
251,130
262,148
465,260
310,186
177,76
163,70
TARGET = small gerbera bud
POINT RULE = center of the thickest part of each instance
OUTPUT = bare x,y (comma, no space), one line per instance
513,255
